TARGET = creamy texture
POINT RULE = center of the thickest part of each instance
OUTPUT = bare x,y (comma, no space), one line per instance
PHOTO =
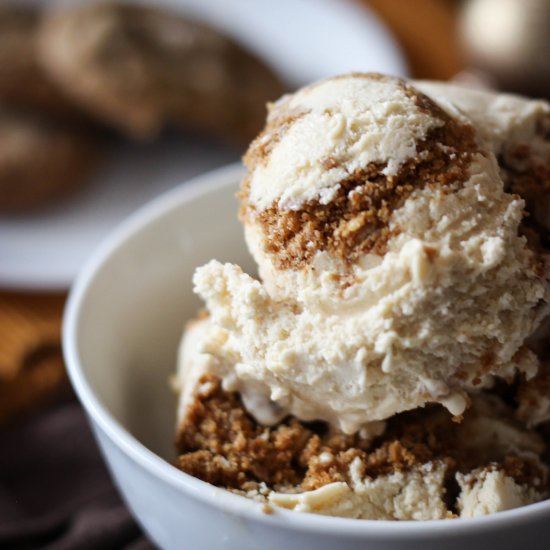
348,122
192,363
448,305
490,490
500,119
414,495
488,433
505,125
366,364
514,128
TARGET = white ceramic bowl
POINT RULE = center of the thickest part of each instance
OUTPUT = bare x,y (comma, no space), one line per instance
122,325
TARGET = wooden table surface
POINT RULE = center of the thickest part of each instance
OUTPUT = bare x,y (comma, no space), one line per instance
31,367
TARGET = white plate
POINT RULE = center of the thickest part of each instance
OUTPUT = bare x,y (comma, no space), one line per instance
304,40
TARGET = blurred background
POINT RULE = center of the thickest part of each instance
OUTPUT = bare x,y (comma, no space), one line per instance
105,105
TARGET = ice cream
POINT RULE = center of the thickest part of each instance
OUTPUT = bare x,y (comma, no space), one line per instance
393,271
424,466
397,272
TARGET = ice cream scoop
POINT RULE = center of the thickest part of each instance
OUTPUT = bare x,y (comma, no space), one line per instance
393,270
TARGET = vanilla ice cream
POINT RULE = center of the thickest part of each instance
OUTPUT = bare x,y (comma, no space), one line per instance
478,457
401,236
393,273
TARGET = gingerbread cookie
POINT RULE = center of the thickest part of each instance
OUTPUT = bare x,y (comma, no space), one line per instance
31,365
40,159
141,68
22,81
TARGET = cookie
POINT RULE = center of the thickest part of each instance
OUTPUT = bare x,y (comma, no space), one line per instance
140,69
40,380
22,80
28,323
31,364
41,159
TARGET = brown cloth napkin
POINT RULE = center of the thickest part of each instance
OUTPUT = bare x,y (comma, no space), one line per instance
55,492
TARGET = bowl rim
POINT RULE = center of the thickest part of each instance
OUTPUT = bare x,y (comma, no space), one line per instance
214,496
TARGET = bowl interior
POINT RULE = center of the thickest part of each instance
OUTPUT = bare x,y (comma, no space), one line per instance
122,330
140,294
